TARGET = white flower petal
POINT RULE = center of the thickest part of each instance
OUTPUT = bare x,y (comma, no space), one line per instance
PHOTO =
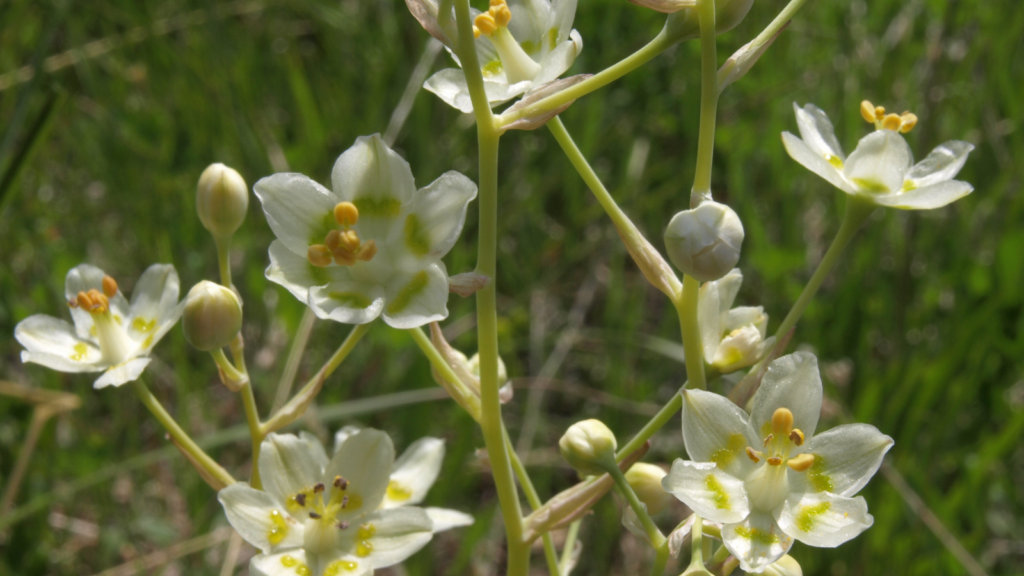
564,14
433,220
559,60
756,542
347,301
288,466
816,131
364,460
294,271
709,318
798,150
530,22
632,523
879,163
943,163
338,563
83,278
927,198
397,534
124,372
289,563
252,514
708,491
728,288
791,382
426,12
417,298
716,430
55,344
341,435
446,519
415,472
742,347
154,299
845,458
164,325
377,180
743,316
316,449
450,86
823,519
299,210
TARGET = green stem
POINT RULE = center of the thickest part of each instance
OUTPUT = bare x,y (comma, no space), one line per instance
781,20
183,440
550,555
660,560
224,258
686,306
659,44
570,543
651,428
291,365
697,543
708,102
857,210
230,371
252,417
653,533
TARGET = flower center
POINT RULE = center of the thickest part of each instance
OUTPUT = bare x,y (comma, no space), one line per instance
323,509
494,24
115,345
342,247
768,484
896,122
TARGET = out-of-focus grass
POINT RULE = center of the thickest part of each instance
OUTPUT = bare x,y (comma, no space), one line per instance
918,330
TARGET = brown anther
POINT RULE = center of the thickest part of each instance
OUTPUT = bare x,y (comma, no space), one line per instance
109,286
315,516
782,421
343,257
907,122
867,111
349,240
879,112
318,487
891,122
485,22
300,499
344,502
340,483
797,437
801,463
333,240
769,439
346,214
752,454
775,461
367,251
319,255
502,15
342,525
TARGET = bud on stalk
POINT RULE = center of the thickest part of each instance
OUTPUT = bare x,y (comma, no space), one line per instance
222,199
704,242
212,317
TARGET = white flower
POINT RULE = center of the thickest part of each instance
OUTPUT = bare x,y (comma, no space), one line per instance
766,477
520,45
372,246
110,335
881,169
732,338
413,474
320,517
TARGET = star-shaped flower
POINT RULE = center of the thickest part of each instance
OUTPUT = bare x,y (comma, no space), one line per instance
320,517
371,246
881,169
765,476
520,45
109,334
732,338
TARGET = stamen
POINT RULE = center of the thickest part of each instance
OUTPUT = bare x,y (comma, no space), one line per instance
346,214
867,111
300,499
782,421
315,516
485,22
879,112
349,240
343,257
109,286
801,463
768,440
84,302
319,255
318,487
476,32
343,525
501,14
797,437
367,251
891,122
340,483
752,454
344,502
907,122
775,460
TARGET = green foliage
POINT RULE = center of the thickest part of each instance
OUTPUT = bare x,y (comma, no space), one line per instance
918,329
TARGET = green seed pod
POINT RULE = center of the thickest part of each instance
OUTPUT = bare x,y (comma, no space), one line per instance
212,317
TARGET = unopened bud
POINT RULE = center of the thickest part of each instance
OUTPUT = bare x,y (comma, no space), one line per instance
645,480
785,566
222,200
737,65
704,242
212,317
589,447
684,25
536,95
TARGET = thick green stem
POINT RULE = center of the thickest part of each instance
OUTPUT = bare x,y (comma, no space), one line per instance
651,428
181,438
252,417
857,210
686,306
550,555
708,102
236,377
660,560
781,20
697,544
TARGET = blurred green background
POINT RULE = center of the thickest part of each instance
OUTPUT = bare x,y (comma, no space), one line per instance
917,330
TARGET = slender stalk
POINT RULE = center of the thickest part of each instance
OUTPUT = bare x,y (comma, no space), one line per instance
686,306
570,543
457,389
651,428
252,417
653,533
857,210
550,555
784,17
659,44
708,103
233,374
660,560
224,258
291,365
182,438
697,544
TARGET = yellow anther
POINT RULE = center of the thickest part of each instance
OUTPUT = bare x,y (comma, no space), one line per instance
343,257
497,3
333,240
485,22
367,251
891,122
752,454
879,112
782,421
501,15
907,122
867,111
349,240
801,463
319,255
476,32
92,301
83,301
775,460
346,214
797,437
109,286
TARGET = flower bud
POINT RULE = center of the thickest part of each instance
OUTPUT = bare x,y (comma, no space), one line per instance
704,242
222,200
645,480
213,316
684,25
589,447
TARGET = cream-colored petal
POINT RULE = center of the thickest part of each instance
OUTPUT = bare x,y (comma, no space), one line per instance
845,459
929,197
288,465
446,519
817,132
559,60
299,210
531,20
799,150
879,164
415,472
364,460
347,301
54,343
377,180
823,519
450,86
708,491
316,449
341,435
258,518
416,298
709,318
792,382
297,274
123,373
756,542
154,301
396,534
431,222
728,288
716,430
942,164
